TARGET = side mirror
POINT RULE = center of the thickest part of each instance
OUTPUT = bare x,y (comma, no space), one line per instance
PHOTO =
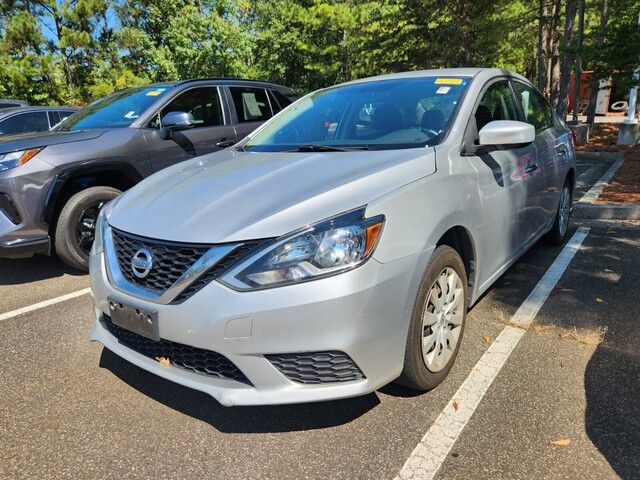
505,135
176,121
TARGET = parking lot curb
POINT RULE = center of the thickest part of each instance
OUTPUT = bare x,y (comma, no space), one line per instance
607,211
580,155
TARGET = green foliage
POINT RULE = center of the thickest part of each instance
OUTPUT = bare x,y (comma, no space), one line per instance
72,51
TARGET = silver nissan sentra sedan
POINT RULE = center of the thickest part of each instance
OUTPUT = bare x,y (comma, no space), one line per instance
338,247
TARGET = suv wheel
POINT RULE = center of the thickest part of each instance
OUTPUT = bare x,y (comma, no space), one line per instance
75,229
437,322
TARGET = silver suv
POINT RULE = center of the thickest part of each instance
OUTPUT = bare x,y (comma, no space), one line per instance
338,247
52,184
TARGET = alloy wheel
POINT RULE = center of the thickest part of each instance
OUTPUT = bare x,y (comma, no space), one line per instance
564,210
86,227
442,319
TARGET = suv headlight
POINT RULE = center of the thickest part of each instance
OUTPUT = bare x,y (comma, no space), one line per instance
14,159
327,248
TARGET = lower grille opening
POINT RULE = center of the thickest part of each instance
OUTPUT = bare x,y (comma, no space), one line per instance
316,367
9,209
198,360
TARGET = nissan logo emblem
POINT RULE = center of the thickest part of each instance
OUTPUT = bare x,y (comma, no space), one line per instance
141,263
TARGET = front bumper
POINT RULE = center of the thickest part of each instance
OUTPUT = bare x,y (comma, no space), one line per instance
15,242
364,313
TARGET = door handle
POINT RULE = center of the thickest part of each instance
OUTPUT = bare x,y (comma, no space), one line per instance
224,143
531,168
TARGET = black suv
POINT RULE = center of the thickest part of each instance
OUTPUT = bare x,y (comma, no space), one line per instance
53,184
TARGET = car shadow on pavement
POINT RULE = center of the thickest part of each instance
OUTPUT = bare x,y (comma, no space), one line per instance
261,419
612,376
612,417
38,267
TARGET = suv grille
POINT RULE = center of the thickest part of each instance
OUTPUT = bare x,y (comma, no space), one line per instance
170,260
316,367
183,356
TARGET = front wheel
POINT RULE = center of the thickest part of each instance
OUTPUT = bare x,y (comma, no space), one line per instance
437,322
76,225
561,223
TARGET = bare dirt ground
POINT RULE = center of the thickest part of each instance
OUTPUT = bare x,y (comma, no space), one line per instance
625,186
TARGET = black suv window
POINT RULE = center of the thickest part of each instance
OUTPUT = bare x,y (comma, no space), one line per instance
203,103
278,101
25,122
497,103
536,110
252,104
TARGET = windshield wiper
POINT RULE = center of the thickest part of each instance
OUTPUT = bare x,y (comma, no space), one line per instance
327,148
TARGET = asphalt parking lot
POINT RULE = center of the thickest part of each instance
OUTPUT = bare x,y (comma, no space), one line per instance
71,409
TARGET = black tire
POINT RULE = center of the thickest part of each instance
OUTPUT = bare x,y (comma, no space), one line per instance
416,375
66,240
558,231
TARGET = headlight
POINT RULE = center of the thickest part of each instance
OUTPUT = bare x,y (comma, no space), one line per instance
13,159
327,248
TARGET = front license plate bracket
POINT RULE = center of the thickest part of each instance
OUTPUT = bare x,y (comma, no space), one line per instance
134,319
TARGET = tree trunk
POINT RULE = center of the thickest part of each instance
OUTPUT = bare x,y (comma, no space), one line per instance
542,46
346,61
595,82
567,58
554,65
578,66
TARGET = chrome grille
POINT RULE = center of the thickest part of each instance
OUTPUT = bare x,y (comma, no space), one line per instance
170,260
218,269
317,367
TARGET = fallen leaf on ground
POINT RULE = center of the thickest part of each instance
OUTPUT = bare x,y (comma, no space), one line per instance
599,300
456,406
563,442
486,338
163,361
608,270
565,334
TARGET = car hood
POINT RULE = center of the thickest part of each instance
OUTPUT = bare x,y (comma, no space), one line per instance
232,196
12,143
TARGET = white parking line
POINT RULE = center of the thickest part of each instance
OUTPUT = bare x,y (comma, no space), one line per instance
595,191
46,303
428,456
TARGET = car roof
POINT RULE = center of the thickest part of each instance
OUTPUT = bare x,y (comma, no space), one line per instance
470,72
220,81
7,111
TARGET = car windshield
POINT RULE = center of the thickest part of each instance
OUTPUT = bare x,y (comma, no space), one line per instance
120,109
383,114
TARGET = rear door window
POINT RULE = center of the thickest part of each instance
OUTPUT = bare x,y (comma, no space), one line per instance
54,118
25,123
251,104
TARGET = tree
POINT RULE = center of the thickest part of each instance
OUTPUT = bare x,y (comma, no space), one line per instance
599,68
567,58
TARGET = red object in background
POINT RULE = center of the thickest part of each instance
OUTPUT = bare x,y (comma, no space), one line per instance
585,88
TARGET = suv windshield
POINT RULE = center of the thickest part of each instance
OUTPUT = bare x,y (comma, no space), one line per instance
119,109
383,114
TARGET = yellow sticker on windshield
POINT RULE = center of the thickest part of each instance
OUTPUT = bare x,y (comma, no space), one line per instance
448,81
